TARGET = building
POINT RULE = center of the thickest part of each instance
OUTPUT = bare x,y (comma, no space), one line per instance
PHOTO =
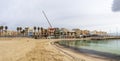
85,32
63,32
9,33
71,34
78,32
30,32
99,33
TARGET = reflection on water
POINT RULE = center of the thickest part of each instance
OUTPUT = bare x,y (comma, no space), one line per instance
109,46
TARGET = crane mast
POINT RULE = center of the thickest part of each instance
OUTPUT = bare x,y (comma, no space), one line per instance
47,19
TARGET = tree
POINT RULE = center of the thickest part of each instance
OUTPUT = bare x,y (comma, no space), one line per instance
2,27
20,29
41,31
34,30
23,32
0,30
6,29
38,29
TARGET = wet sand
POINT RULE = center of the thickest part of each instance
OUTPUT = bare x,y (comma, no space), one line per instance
92,53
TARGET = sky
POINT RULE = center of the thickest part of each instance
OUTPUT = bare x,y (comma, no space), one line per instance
83,14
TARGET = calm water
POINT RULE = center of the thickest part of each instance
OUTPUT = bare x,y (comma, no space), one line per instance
109,46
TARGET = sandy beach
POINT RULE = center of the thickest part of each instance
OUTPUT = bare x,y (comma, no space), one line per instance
13,49
27,49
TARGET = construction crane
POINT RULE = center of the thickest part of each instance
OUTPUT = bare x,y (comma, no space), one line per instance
47,19
50,30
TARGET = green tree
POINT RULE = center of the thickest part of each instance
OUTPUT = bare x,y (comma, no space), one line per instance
34,30
23,32
2,28
18,29
38,29
6,28
41,31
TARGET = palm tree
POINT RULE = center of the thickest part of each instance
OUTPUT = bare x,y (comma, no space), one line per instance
23,32
0,30
38,29
18,29
41,31
2,27
6,30
34,30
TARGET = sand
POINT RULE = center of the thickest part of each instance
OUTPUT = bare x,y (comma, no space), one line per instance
27,49
13,49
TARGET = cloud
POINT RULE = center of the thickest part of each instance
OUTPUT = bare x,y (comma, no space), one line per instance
2,23
28,12
61,13
116,6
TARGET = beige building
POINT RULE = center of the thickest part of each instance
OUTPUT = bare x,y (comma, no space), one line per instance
64,30
95,32
8,33
71,34
85,32
78,32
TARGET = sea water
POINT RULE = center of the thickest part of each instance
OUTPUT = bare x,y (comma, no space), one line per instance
108,46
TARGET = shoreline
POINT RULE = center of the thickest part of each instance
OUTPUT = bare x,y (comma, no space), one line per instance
43,50
90,53
80,55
